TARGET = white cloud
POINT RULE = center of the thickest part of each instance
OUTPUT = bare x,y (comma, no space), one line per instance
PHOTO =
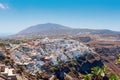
2,6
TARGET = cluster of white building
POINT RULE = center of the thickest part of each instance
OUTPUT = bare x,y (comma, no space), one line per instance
36,53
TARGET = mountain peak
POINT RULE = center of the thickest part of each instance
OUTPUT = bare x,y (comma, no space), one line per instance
44,27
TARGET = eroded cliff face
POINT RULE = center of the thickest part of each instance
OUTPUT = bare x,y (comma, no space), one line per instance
108,51
82,65
108,47
89,61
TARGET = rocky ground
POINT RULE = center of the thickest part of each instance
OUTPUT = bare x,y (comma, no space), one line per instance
107,46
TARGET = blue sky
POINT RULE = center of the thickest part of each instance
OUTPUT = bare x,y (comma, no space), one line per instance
16,15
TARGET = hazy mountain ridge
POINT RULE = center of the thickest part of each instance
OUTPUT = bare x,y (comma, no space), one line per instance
50,29
44,27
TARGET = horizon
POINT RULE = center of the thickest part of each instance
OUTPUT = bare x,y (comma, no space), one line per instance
8,33
17,15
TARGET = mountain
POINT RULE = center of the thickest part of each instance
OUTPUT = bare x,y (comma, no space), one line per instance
50,29
43,27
